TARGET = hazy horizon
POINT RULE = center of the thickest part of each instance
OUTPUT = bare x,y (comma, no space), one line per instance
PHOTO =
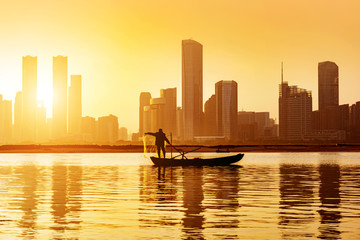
123,48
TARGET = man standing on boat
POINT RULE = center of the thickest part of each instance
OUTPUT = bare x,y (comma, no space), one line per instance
160,141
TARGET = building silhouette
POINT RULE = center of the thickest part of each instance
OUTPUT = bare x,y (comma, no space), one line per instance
60,82
29,98
192,88
226,109
295,107
328,87
157,113
144,102
108,129
88,129
210,117
75,105
6,126
18,117
169,123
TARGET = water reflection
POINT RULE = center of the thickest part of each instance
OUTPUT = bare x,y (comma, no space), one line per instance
193,196
296,201
66,199
329,194
28,176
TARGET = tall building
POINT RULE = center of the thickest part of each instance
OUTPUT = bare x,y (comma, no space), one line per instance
192,88
295,108
144,102
328,84
29,98
158,114
75,105
226,109
169,95
18,117
210,116
60,82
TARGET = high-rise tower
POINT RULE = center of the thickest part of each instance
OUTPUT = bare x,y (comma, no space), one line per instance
75,107
192,88
29,98
328,84
226,109
60,72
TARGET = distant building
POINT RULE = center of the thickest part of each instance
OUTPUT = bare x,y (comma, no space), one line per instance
210,117
75,105
60,83
192,88
123,134
295,107
6,125
18,117
247,127
226,109
263,122
354,122
144,102
179,124
169,95
88,129
158,114
29,98
108,128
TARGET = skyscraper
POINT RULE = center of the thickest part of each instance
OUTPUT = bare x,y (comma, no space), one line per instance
144,101
75,105
192,88
295,107
169,95
328,83
226,109
29,98
60,72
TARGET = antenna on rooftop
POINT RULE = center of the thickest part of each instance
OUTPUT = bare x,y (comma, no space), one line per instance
282,74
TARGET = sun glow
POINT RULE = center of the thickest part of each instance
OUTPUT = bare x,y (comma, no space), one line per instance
44,88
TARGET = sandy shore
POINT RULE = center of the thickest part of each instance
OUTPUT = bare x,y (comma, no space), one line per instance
186,148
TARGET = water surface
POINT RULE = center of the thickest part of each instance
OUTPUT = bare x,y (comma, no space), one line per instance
122,196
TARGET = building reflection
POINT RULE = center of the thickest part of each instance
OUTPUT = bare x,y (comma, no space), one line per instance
193,196
66,200
296,201
222,197
329,194
28,177
158,189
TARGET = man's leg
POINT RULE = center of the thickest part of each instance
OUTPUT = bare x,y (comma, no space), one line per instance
163,150
158,151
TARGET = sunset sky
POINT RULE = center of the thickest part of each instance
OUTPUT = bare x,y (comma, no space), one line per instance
122,48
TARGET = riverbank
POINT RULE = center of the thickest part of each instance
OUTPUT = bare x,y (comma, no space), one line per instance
185,148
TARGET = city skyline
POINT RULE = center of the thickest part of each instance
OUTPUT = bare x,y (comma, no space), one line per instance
123,48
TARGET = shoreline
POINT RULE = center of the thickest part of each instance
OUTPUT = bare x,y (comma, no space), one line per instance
185,148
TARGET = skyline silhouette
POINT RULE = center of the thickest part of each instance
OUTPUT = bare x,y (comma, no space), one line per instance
122,48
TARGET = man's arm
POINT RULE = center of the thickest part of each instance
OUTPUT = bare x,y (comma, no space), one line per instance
150,133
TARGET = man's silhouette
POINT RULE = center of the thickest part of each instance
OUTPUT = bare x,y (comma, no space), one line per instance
160,141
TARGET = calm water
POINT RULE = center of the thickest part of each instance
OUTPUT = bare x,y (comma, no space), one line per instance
122,196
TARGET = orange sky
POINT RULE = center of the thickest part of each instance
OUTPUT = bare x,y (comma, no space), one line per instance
122,48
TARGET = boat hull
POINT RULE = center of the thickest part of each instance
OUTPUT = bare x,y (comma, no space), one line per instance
221,161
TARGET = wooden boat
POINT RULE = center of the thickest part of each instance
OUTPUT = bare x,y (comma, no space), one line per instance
219,161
